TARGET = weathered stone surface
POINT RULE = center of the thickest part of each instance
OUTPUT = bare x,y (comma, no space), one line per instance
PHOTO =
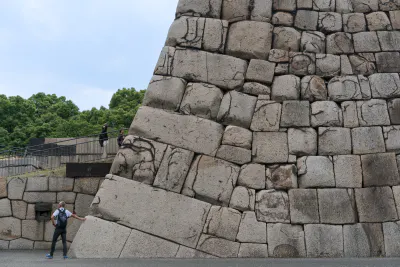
189,253
72,228
237,109
392,138
21,244
32,229
313,42
30,212
315,171
33,197
218,247
188,132
253,88
329,22
385,85
202,100
262,10
306,20
327,65
234,154
392,238
86,185
142,245
211,8
164,63
286,38
282,69
365,6
4,244
345,65
380,170
286,87
304,4
235,10
222,222
339,43
301,63
395,19
344,6
165,93
362,65
252,176
5,207
387,5
324,5
367,140
186,32
249,250
326,113
237,136
284,5
286,241
389,40
214,37
267,116
270,147
302,141
376,204
388,61
282,19
354,22
272,206
373,112
363,240
350,116
378,21
98,238
313,88
295,114
82,204
324,241
61,184
337,206
183,218
67,197
346,88
211,180
366,42
260,71
16,187
348,172
394,111
3,187
249,39
18,209
303,206
334,141
251,230
10,228
281,177
243,199
198,66
173,169
278,56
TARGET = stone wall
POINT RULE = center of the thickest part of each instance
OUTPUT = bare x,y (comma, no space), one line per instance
18,227
269,129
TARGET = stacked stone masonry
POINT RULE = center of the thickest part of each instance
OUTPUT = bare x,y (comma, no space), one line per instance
270,129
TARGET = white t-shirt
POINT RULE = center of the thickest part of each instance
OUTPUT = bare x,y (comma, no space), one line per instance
67,212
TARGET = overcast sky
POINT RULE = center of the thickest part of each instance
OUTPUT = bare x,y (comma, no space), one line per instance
82,49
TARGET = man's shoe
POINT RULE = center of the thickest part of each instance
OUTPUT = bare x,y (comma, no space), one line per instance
66,257
49,256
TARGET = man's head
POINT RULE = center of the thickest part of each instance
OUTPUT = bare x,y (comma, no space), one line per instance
61,204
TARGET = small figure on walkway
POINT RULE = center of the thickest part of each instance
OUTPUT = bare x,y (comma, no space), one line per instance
103,137
62,216
121,137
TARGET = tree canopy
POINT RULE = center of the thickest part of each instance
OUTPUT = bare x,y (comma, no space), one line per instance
47,115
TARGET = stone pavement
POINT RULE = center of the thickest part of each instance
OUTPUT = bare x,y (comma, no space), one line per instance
36,258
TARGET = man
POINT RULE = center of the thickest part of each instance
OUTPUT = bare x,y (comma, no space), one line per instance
103,137
61,228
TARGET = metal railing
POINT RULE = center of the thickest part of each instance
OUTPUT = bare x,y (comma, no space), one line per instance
53,155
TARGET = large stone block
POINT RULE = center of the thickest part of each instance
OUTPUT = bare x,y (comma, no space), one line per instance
387,5
392,138
373,112
252,176
243,199
307,20
235,10
19,209
313,42
326,113
367,140
327,65
262,10
281,177
337,206
32,229
218,247
362,65
380,170
392,238
385,85
237,136
188,132
339,43
86,185
313,88
142,245
251,230
324,241
234,154
237,109
354,22
5,207
329,22
303,206
302,141
286,241
346,88
261,71
10,228
249,39
284,5
324,5
366,42
61,184
394,111
363,240
272,206
282,19
270,147
72,228
186,32
82,204
67,197
250,250
348,172
376,204
388,61
295,114
164,93
198,66
315,172
222,222
21,244
390,41
189,253
334,141
286,87
164,63
395,19
365,6
173,169
16,188
287,38
267,116
34,197
98,238
183,218
214,36
211,8
378,21
253,88
350,115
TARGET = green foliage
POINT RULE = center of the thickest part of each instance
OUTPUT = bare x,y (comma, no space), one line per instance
44,115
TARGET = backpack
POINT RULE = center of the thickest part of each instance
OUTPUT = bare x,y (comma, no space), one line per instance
62,219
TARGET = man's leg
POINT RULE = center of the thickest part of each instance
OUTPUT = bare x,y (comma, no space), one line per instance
64,242
56,234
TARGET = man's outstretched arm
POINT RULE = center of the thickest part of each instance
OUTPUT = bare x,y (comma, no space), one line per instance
77,217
